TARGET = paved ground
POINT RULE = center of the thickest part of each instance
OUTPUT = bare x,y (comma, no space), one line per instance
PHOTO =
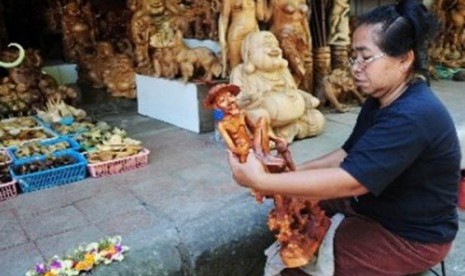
182,214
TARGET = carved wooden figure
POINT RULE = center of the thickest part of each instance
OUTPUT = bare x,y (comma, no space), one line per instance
300,225
238,18
339,33
78,32
268,90
289,23
339,87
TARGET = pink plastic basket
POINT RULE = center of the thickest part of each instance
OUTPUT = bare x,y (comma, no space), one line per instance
119,165
8,190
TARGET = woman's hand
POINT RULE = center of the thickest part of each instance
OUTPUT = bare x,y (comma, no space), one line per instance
249,173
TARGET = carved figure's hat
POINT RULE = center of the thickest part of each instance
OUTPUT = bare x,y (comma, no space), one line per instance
209,100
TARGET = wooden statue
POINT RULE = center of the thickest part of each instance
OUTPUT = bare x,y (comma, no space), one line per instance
92,66
78,32
119,77
339,31
339,87
173,56
140,33
268,90
241,134
238,18
300,225
289,23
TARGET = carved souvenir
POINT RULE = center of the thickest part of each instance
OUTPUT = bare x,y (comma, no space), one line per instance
269,90
289,23
78,30
339,31
169,46
200,19
119,77
140,24
448,49
237,20
91,66
300,225
339,88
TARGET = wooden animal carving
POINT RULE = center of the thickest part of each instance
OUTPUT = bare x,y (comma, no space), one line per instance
339,86
198,59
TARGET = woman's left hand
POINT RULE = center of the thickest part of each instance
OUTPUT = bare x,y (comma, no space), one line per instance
249,173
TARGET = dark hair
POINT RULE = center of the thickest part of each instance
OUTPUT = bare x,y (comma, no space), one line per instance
405,26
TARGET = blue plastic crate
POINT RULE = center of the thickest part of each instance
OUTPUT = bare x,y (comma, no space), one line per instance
73,145
51,177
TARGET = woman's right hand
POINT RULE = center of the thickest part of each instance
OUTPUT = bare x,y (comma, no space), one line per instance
249,173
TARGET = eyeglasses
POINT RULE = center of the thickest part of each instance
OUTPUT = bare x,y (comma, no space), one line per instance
363,63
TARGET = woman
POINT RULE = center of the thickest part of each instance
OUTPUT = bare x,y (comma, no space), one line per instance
395,178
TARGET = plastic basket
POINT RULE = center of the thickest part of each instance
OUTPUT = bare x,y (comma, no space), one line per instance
7,157
73,145
8,190
14,123
119,165
51,177
15,143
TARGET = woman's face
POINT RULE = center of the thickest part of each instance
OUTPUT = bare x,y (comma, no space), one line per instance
375,73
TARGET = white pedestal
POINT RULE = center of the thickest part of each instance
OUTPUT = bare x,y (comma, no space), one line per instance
62,73
174,102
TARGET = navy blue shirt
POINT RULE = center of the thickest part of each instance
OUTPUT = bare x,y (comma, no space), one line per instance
408,156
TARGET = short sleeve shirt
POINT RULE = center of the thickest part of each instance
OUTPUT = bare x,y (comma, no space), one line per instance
408,156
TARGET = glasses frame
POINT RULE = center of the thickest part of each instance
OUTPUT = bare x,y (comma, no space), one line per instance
363,63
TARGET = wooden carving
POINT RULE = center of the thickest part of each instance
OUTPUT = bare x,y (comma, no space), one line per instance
78,31
289,23
237,20
300,225
339,32
338,88
269,90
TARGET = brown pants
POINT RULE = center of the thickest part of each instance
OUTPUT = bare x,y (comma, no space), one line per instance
362,247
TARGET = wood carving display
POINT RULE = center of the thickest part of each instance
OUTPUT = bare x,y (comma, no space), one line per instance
110,70
289,23
237,20
449,49
299,224
339,31
26,87
172,57
200,19
78,30
338,89
268,90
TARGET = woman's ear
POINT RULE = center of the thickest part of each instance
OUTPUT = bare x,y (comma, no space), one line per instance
407,61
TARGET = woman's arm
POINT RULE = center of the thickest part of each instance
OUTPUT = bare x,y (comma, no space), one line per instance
316,184
330,160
